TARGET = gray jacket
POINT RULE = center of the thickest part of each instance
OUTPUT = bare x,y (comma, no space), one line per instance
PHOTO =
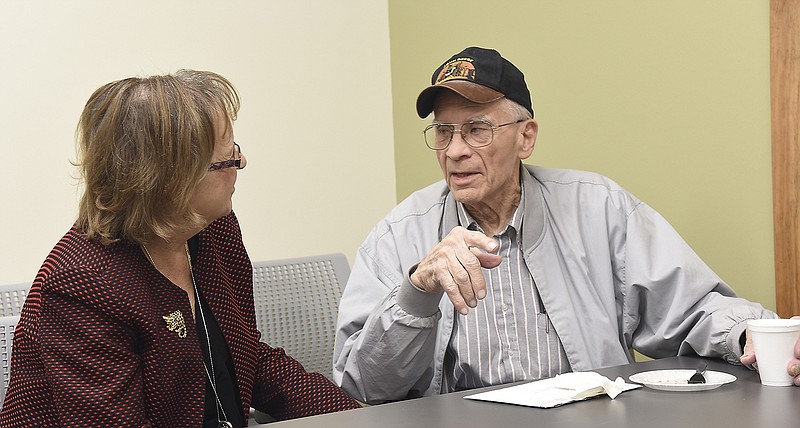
613,276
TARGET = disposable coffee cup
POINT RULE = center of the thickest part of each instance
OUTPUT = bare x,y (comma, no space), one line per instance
773,340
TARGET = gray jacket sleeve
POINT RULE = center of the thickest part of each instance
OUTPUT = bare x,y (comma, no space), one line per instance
673,301
384,352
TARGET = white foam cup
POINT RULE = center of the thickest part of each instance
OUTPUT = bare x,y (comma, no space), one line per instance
774,340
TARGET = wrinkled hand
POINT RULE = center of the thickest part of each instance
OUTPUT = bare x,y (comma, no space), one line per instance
454,266
794,364
749,357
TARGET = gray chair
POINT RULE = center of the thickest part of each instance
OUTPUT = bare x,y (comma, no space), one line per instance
297,301
12,296
7,325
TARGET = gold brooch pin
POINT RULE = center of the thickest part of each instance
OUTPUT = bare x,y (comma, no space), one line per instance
175,323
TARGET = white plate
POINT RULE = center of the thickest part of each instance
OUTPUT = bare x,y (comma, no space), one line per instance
678,380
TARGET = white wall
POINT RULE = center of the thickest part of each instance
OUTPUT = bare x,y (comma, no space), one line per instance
315,122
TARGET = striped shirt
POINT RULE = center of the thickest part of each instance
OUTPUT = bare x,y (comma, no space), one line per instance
508,337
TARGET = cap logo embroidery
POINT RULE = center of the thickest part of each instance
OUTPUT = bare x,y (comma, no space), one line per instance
459,68
175,323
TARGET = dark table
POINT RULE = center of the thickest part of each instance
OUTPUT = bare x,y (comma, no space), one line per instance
743,403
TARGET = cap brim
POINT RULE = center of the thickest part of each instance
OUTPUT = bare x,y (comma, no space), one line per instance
472,91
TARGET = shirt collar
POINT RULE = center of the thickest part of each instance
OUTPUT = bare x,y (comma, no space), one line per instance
533,227
515,223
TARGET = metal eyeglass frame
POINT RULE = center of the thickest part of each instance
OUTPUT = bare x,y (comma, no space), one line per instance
460,131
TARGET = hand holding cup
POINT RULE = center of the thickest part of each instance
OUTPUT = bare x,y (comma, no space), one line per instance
774,342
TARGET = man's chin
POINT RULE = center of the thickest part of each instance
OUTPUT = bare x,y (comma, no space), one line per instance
465,196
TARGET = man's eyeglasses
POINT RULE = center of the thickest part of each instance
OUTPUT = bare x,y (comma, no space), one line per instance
476,133
236,162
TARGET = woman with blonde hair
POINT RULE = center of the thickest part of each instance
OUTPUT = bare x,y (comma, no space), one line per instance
143,314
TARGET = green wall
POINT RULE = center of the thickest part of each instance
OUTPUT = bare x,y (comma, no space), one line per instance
670,99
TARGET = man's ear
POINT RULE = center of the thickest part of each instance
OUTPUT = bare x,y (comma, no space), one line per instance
529,133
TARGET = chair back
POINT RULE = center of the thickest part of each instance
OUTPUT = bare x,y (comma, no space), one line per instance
7,325
12,296
297,301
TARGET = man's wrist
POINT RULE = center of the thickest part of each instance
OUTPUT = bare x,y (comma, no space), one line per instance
410,274
416,301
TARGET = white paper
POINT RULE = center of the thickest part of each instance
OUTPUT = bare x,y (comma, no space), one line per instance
562,389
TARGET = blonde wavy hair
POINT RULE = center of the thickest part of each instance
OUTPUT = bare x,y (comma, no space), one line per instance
143,146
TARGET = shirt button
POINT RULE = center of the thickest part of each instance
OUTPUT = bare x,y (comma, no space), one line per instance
504,307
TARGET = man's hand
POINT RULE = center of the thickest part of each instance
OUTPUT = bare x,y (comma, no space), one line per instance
749,357
794,363
454,265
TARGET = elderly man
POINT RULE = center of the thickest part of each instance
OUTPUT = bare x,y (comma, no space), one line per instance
506,271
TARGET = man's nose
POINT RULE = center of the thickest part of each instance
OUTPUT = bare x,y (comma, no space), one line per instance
458,145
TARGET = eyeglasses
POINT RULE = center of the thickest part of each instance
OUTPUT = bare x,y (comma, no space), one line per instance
476,133
236,162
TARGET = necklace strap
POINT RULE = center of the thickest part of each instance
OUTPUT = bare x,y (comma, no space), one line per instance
211,374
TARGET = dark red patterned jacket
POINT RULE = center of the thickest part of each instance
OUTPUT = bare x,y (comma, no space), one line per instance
92,347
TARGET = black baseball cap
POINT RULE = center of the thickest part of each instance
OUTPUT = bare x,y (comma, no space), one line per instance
479,75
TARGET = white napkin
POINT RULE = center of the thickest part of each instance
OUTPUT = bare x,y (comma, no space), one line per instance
562,389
